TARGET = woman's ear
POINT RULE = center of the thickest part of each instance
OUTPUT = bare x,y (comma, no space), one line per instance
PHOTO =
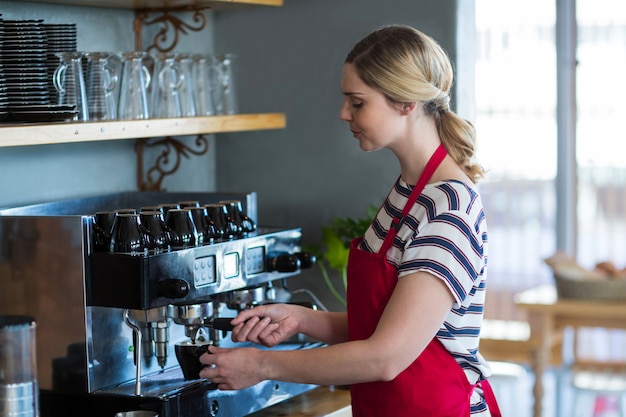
406,108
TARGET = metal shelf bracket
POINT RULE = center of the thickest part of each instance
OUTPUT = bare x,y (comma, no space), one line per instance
167,162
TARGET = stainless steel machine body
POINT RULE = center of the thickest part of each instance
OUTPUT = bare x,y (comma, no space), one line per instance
106,318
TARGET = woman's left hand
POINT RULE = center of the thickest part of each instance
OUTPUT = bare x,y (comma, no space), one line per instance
232,368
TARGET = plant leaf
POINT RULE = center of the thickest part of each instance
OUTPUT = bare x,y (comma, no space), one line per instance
336,252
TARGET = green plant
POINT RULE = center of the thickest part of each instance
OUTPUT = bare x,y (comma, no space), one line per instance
332,252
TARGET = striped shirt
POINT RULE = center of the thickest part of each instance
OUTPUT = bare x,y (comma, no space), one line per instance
445,234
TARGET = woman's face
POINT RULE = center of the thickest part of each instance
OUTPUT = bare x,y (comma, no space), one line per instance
374,121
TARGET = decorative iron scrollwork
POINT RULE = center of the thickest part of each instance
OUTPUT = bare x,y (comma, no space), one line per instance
165,40
168,160
172,26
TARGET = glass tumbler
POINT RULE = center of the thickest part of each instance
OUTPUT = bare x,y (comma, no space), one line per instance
19,390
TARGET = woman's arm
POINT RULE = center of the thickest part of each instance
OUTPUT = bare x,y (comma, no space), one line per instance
414,314
273,323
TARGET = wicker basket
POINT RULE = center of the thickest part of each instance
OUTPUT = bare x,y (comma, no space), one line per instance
590,289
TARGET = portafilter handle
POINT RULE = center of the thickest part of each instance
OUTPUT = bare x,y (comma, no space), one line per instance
220,323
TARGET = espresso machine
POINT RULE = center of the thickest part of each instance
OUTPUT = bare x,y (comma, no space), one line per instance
112,309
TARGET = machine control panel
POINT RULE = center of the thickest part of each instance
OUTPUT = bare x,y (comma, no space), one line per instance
255,260
204,271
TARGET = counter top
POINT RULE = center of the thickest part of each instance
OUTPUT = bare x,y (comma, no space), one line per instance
320,402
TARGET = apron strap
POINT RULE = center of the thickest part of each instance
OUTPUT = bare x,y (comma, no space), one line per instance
490,398
430,168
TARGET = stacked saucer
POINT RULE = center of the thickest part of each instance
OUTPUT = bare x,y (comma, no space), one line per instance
4,99
23,59
61,38
23,63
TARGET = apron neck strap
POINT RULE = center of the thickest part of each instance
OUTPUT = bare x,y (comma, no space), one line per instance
431,166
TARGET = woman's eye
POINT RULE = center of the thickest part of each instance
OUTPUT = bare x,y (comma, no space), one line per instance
357,105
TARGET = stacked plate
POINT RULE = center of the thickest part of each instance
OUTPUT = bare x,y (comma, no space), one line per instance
23,58
4,99
61,38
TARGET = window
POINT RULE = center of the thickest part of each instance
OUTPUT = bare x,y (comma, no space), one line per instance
516,125
516,121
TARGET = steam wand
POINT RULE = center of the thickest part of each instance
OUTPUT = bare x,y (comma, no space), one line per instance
137,332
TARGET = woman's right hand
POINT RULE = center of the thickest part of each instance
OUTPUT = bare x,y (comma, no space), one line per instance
268,324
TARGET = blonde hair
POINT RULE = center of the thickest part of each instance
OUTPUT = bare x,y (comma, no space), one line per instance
408,66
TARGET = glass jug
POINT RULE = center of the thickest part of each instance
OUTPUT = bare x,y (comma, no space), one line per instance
206,81
229,103
135,79
69,81
101,83
187,103
19,389
165,96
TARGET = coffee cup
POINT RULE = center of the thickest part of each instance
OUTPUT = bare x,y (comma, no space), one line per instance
188,354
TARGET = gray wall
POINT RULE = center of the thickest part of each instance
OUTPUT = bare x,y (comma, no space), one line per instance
289,60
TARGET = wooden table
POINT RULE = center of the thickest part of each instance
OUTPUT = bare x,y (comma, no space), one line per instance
549,315
320,402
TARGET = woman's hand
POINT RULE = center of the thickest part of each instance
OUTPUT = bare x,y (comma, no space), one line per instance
232,369
268,325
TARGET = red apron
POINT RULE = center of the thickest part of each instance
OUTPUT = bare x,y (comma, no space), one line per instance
434,385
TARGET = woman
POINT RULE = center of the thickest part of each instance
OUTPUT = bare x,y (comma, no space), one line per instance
408,344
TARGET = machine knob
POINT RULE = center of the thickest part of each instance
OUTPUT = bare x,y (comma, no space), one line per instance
283,263
307,260
173,288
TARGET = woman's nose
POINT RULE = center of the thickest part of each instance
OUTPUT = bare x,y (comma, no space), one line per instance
344,113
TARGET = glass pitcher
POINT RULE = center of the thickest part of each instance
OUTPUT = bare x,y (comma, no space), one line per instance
69,81
206,82
165,96
187,90
101,83
135,79
229,103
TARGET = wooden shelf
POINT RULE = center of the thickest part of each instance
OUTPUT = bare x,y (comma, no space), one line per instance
162,4
52,133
